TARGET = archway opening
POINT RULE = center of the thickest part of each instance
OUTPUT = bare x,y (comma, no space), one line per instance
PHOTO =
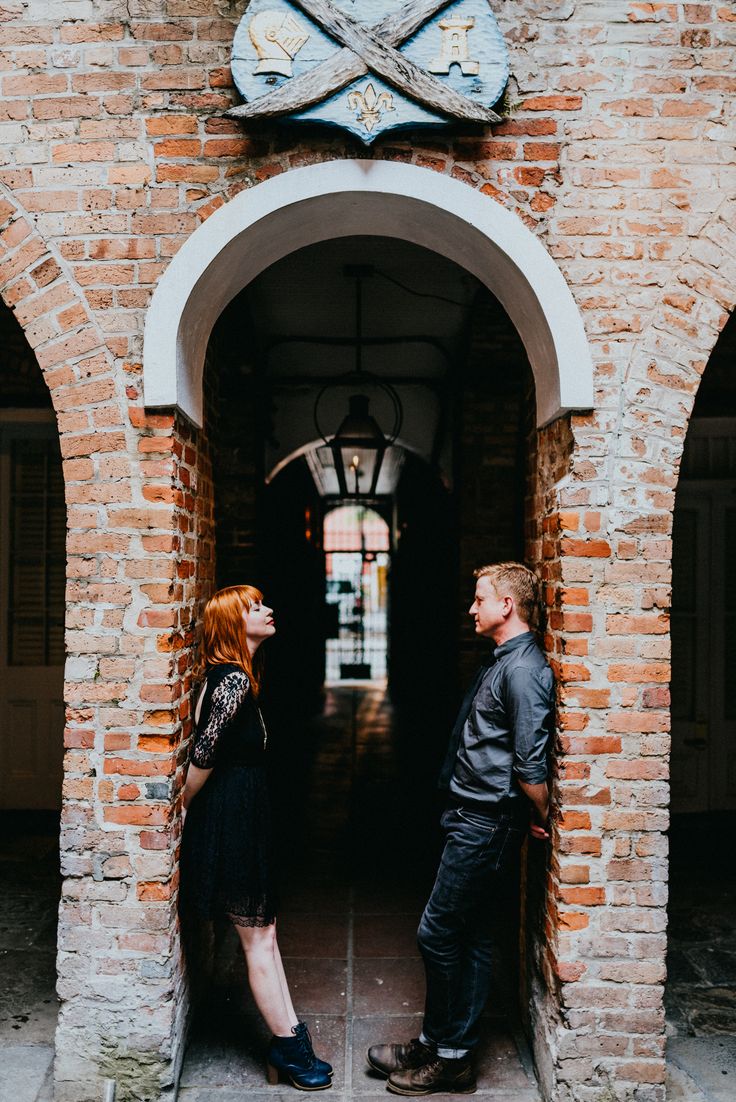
32,606
356,758
700,997
357,546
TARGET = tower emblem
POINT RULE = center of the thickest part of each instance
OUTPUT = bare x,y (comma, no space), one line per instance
455,48
428,63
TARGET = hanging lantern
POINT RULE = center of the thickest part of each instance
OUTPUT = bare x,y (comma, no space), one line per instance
359,445
358,448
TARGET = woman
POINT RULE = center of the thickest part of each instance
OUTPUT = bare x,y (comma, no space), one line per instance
226,848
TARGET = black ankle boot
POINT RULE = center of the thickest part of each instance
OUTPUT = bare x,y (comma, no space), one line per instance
293,1058
301,1030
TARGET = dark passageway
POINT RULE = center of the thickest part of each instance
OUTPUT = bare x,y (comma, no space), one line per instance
355,759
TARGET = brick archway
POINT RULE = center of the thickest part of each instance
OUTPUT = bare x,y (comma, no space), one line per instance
339,198
665,372
122,526
69,347
608,567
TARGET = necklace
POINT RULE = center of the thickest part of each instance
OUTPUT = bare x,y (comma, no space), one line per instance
263,728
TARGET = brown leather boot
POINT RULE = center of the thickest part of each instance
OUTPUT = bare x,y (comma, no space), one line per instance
439,1074
388,1058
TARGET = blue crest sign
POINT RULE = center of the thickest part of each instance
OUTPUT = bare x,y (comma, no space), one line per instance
369,66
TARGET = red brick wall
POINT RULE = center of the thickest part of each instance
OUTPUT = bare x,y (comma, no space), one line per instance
618,157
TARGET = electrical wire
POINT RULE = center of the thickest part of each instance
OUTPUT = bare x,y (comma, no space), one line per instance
420,294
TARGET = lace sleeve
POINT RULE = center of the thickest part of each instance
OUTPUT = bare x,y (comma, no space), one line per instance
224,702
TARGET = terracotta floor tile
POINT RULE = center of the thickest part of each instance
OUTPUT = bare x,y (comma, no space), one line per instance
317,897
385,898
498,1063
313,935
318,985
385,985
386,936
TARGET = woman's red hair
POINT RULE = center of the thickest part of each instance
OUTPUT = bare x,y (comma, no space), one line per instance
224,639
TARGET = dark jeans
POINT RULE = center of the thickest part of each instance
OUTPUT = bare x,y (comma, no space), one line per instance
456,932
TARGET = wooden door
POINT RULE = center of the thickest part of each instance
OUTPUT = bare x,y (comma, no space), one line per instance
32,581
704,648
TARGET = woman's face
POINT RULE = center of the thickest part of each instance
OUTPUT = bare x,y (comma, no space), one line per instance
259,623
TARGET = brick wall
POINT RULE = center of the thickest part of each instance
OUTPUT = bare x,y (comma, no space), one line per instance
495,403
619,156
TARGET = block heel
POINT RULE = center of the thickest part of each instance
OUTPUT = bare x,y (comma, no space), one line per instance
293,1058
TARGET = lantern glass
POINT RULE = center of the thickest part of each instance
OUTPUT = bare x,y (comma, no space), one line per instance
358,448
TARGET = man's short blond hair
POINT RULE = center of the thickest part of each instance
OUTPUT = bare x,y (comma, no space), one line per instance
513,579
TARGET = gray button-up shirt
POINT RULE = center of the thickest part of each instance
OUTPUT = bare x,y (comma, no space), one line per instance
506,735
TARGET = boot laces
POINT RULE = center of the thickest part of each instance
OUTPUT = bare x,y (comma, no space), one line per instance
305,1044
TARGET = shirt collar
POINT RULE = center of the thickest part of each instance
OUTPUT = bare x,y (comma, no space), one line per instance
512,644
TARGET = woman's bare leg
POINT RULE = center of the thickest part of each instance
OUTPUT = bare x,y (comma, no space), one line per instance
265,977
284,984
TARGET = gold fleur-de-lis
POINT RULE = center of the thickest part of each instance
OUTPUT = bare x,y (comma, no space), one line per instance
369,105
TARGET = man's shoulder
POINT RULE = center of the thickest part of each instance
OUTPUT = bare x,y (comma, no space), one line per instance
528,656
526,664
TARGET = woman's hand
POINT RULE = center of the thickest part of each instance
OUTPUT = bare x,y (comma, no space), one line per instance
196,778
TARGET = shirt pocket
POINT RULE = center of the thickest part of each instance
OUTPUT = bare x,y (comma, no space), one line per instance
489,713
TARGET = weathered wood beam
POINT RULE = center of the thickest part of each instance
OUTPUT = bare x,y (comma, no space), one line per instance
346,66
398,70
296,95
341,69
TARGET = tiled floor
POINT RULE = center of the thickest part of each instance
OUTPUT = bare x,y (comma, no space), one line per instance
358,877
356,977
700,996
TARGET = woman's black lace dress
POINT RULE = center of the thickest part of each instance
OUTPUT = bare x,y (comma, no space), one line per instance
226,867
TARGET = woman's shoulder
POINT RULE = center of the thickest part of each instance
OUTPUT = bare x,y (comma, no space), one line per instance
227,673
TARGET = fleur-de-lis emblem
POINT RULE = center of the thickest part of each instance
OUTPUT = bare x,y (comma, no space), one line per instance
369,105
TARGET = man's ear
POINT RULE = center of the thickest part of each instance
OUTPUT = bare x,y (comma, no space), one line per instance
508,606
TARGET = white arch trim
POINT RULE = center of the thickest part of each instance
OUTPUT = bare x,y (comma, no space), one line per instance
345,198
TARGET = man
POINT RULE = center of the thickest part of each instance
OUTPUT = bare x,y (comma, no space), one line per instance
495,772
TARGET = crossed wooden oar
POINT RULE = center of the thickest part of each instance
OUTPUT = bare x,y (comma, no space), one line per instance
364,50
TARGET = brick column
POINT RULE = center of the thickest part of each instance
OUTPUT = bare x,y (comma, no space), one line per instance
121,973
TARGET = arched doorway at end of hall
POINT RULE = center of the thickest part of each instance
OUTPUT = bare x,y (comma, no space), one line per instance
357,545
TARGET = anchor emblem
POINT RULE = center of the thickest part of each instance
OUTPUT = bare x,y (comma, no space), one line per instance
436,60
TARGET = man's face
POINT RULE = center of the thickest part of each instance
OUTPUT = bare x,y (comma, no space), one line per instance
489,611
